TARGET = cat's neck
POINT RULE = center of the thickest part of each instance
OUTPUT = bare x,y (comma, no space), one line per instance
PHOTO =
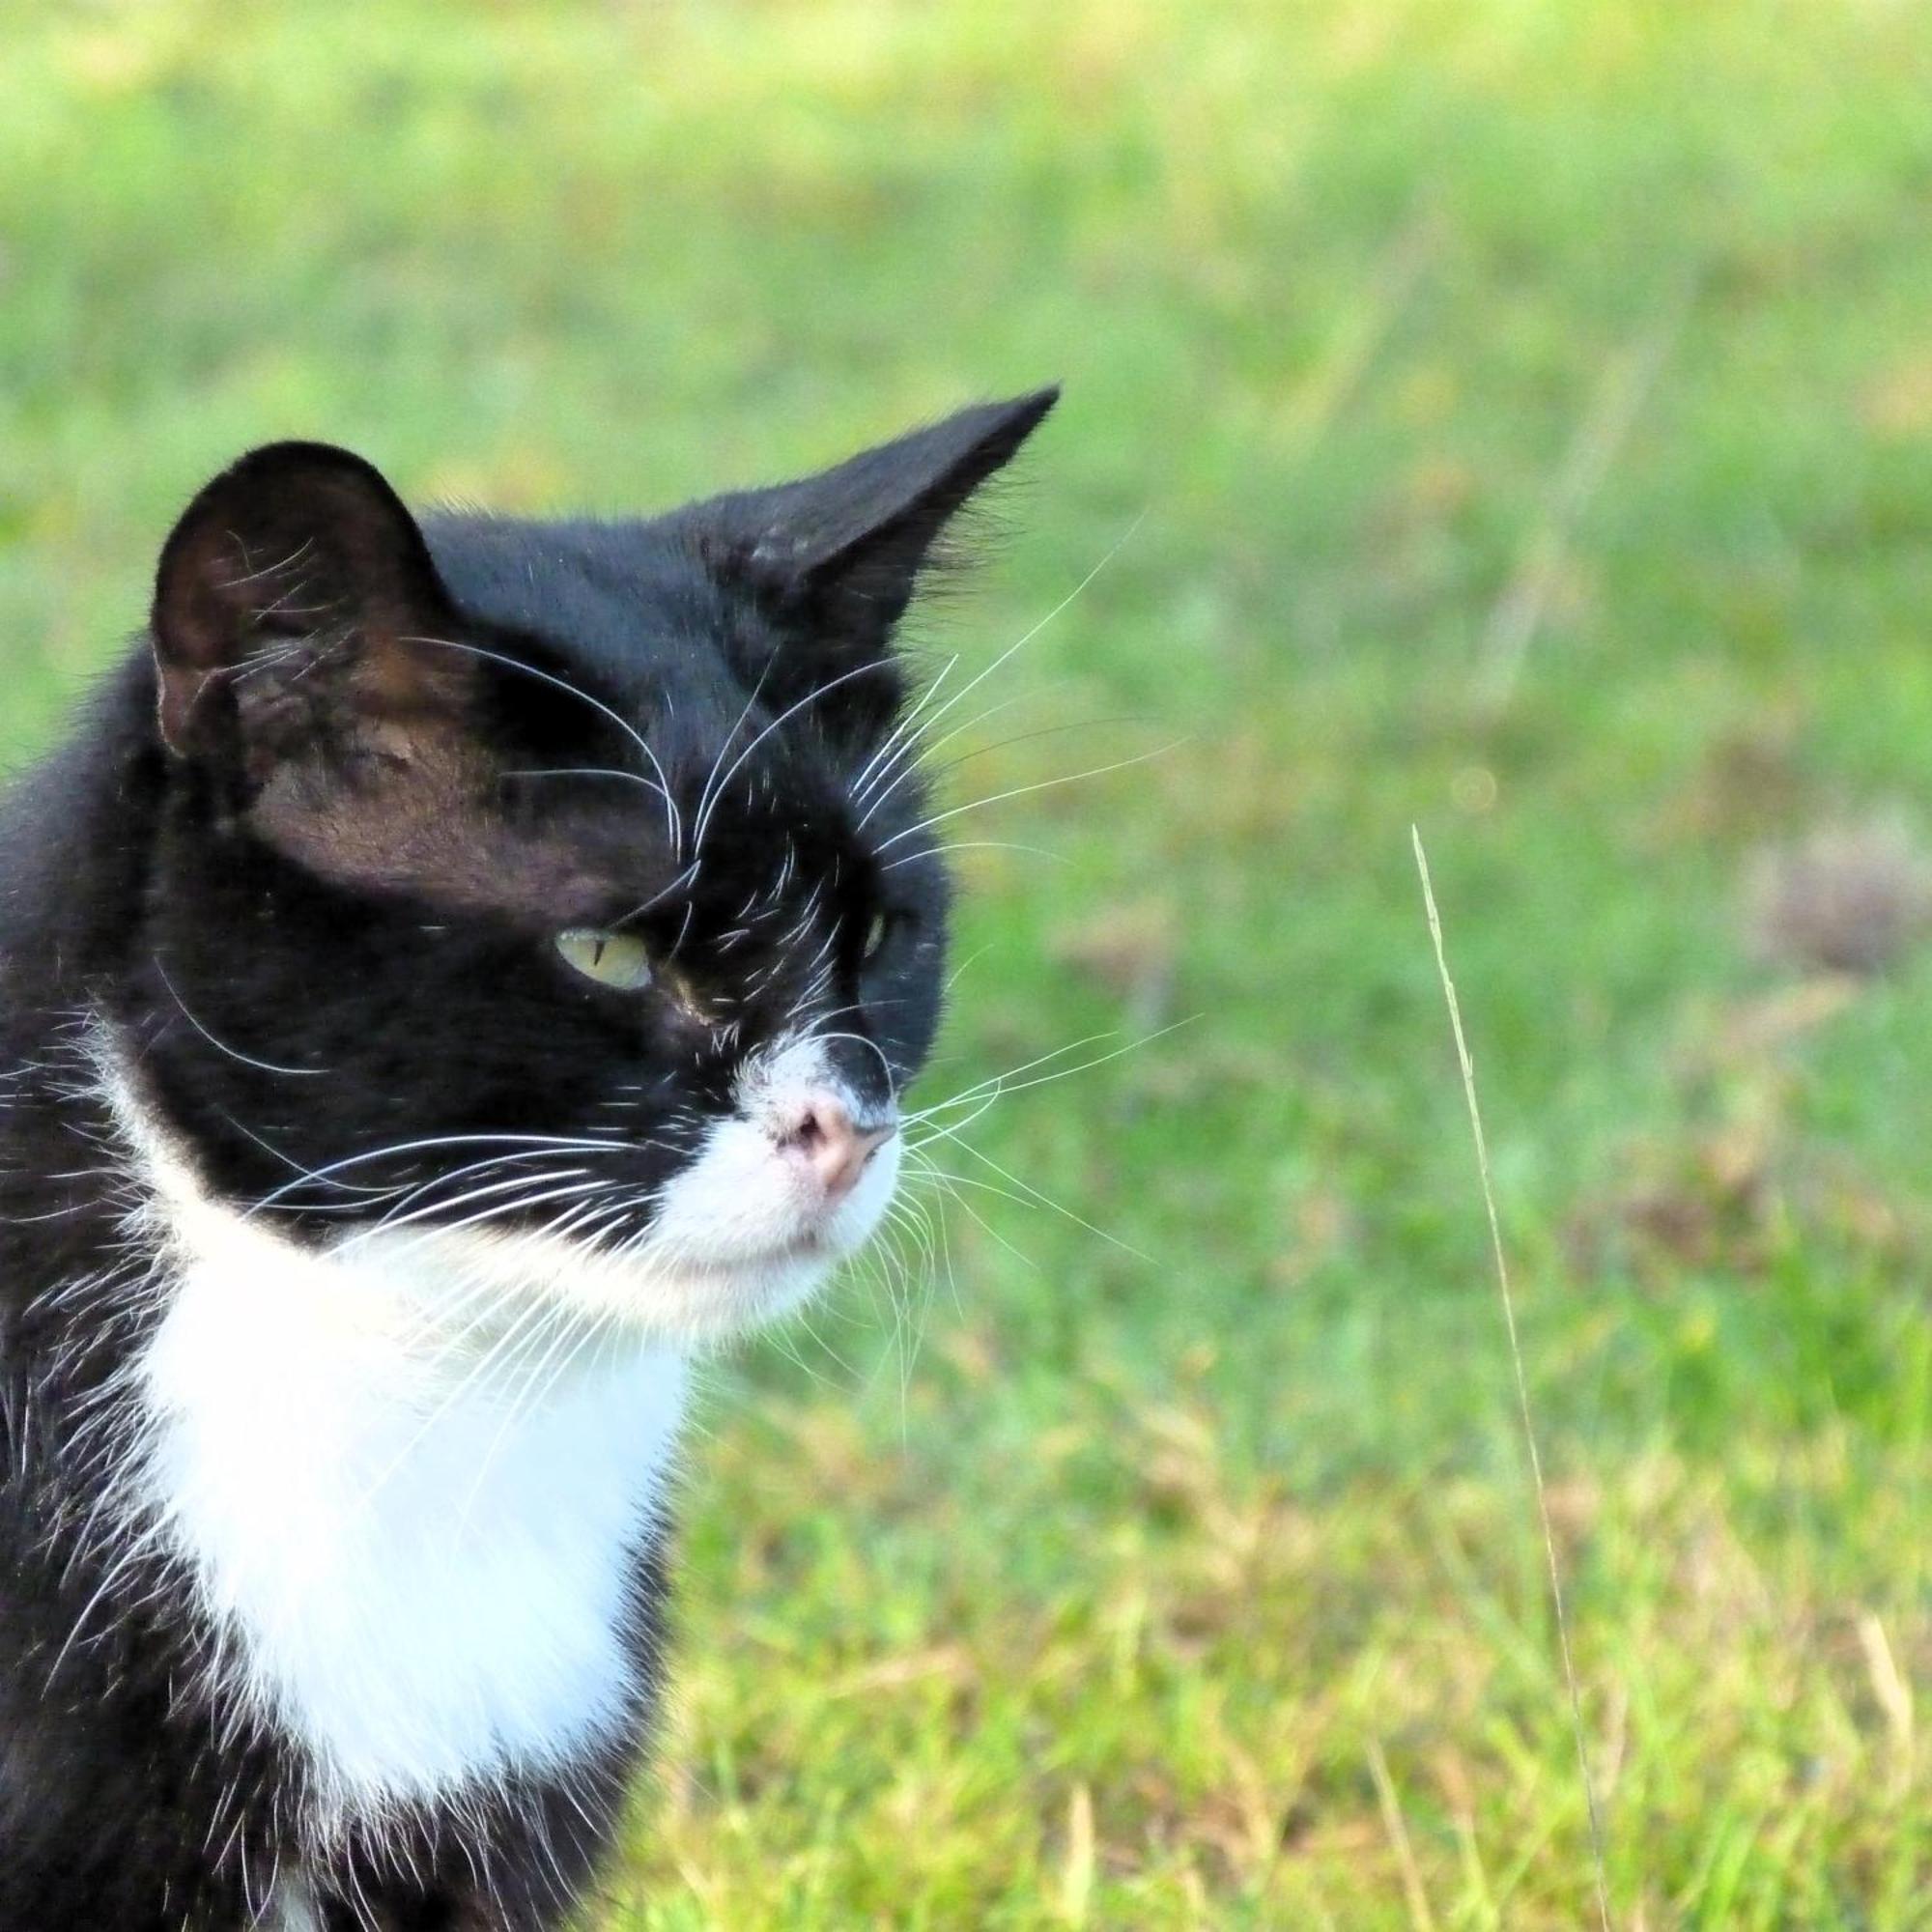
416,1506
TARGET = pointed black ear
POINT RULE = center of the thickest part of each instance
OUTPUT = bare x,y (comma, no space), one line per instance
856,536
837,557
288,607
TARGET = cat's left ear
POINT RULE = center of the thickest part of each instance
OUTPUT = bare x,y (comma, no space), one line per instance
295,606
837,557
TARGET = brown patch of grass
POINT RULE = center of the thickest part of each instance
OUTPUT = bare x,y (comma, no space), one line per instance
1852,898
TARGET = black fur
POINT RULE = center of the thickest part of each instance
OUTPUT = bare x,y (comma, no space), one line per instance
305,854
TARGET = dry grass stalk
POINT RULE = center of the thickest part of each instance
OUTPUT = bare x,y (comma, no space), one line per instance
1521,1378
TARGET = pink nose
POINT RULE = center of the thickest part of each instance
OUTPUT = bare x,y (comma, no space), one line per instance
823,1134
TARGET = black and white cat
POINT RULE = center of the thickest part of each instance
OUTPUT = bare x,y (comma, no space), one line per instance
452,972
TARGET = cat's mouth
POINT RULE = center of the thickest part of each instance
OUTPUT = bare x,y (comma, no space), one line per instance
730,1250
823,1235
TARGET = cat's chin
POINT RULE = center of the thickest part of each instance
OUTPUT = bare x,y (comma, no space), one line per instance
688,1302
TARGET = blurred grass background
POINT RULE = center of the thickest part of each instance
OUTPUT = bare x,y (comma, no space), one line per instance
1508,418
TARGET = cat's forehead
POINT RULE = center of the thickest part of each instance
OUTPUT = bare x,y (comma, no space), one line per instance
640,618
639,738
629,617
627,604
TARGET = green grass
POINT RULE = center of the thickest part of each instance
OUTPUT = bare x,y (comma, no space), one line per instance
1203,1589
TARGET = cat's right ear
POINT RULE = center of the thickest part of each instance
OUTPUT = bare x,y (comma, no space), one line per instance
293,607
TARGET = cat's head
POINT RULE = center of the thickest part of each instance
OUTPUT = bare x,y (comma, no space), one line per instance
551,899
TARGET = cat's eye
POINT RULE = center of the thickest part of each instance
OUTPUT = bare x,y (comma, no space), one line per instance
878,929
620,960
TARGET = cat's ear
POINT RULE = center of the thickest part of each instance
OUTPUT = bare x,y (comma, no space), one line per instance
837,556
293,609
853,539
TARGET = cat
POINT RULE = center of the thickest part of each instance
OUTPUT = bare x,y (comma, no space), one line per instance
453,970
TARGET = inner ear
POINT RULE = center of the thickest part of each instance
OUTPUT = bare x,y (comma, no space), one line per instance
295,613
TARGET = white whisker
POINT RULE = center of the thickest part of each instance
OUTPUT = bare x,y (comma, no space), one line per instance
1021,791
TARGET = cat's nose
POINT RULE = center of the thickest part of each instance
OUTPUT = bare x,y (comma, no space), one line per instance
822,1133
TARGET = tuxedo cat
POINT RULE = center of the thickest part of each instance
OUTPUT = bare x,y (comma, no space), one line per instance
452,972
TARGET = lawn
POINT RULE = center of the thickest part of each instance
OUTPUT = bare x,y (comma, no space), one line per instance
1509,419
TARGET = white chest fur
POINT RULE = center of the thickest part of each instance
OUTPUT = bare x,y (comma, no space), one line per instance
415,1528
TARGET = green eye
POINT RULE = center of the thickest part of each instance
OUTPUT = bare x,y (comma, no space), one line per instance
617,959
